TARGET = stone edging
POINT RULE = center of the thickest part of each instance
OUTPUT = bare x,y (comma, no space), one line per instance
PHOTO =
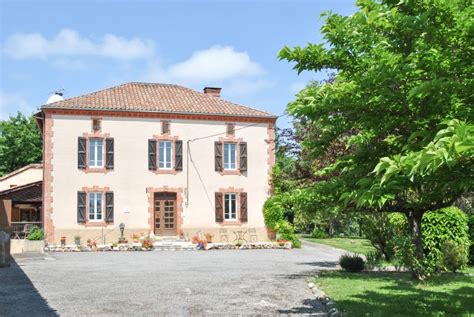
326,302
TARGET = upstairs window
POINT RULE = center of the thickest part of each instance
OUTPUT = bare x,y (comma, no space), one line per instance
164,155
230,207
96,153
230,156
95,206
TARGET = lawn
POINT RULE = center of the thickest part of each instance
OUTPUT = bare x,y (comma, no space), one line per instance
397,294
355,245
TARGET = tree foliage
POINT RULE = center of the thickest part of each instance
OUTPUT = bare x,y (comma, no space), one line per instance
393,127
20,143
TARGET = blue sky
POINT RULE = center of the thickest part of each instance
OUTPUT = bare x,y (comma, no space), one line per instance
84,46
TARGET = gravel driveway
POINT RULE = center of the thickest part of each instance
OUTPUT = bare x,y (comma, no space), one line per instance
220,282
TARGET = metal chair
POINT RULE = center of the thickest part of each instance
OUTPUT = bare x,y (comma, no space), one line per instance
223,235
253,235
26,229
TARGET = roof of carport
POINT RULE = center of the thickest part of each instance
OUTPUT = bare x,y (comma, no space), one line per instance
26,193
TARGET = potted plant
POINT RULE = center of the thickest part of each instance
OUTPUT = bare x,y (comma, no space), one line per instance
209,237
77,240
135,237
281,242
35,241
147,244
63,241
195,239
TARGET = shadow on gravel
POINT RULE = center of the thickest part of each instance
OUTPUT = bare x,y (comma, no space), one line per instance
323,264
18,295
308,307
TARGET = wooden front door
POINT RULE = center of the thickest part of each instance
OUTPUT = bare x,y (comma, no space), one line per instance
165,214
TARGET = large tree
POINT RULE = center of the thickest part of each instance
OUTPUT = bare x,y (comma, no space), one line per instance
20,143
403,68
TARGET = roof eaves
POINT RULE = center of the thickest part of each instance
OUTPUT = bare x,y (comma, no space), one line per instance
21,169
264,115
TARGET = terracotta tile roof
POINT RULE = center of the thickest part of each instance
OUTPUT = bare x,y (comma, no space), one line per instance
151,97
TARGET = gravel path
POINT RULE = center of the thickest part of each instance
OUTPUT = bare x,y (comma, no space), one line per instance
224,282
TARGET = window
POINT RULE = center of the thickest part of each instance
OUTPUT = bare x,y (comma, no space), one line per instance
96,153
95,206
230,156
165,154
230,207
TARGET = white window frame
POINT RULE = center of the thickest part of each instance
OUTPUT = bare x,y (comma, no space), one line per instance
167,165
232,198
95,163
94,212
228,165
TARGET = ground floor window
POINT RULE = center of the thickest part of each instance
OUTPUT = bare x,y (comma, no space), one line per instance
230,207
95,206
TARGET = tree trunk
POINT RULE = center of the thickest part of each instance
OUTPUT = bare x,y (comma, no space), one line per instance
414,221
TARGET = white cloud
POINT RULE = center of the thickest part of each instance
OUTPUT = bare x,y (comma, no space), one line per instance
10,104
216,63
216,66
70,43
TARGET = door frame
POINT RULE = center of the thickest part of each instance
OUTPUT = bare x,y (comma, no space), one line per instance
178,206
162,202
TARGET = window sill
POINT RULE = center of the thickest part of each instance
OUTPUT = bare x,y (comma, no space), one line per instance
230,172
230,223
165,171
101,170
98,224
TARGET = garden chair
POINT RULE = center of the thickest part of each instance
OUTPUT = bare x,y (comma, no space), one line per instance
253,235
26,230
223,235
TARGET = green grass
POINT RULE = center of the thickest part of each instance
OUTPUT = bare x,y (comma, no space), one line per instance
355,245
397,294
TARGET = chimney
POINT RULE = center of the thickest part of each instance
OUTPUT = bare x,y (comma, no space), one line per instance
213,91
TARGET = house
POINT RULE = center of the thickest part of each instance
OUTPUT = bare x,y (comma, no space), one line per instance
159,158
20,198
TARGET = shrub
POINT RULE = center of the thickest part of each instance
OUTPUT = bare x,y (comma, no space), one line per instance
287,232
383,230
273,211
454,256
319,233
373,259
471,237
36,234
351,263
447,224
